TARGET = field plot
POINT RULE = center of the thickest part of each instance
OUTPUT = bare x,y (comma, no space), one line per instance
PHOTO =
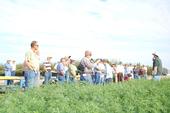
143,96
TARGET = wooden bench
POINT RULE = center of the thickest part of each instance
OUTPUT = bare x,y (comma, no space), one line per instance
3,86
10,78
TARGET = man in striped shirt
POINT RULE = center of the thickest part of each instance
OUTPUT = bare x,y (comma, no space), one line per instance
47,67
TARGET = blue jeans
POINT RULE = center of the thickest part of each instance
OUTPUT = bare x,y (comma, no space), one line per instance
97,78
30,77
136,76
93,78
109,80
86,77
157,77
26,78
22,83
67,78
61,79
72,79
47,77
8,82
13,74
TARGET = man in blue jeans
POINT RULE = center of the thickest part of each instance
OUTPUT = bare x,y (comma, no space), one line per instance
47,67
157,67
87,63
61,70
31,65
8,69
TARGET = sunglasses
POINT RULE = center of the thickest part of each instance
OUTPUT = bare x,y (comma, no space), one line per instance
37,45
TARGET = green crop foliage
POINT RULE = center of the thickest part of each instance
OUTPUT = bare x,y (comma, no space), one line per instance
136,96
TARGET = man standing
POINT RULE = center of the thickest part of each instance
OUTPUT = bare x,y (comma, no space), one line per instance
72,69
88,65
61,70
13,69
157,67
108,72
8,70
13,65
66,67
31,65
47,68
120,72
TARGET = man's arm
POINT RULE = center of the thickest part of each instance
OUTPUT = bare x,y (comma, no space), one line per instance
45,69
88,64
28,64
27,61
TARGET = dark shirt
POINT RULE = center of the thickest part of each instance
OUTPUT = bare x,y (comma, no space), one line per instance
158,64
153,64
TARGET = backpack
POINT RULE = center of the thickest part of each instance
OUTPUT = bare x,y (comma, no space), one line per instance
80,68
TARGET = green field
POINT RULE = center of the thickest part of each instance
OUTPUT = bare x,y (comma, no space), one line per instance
143,96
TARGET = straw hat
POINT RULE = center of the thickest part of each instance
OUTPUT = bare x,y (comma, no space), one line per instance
155,54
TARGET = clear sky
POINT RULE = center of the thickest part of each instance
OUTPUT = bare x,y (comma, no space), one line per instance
126,30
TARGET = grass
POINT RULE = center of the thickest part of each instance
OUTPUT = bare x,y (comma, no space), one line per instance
141,96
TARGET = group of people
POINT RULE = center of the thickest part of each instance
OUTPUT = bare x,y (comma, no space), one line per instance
99,71
10,70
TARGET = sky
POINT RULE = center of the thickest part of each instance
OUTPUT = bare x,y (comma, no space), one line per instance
124,30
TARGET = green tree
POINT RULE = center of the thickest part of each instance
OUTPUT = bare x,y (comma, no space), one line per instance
1,69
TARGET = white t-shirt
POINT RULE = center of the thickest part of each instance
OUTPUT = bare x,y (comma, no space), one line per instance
109,71
13,66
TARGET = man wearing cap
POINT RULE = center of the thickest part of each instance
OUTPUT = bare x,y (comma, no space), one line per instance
47,67
31,65
157,67
8,69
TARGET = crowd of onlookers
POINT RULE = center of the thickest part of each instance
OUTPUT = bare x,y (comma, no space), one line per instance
99,71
